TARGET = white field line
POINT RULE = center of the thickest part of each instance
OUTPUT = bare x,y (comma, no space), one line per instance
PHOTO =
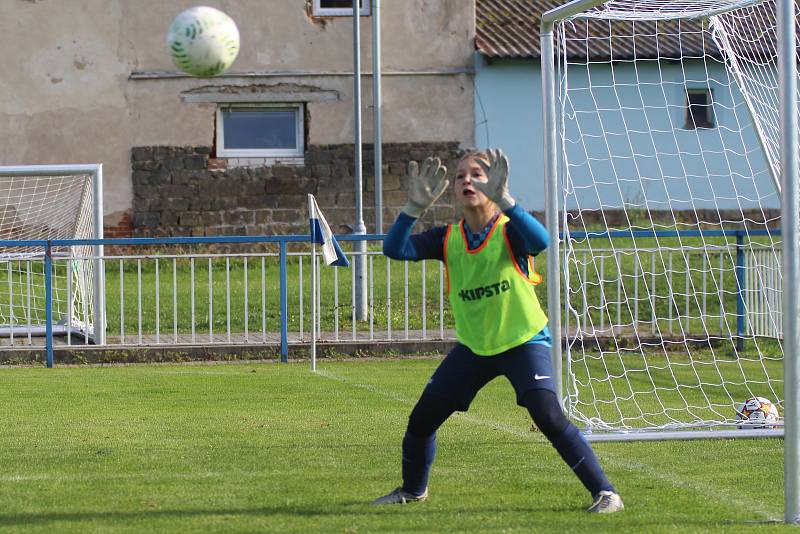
618,461
148,476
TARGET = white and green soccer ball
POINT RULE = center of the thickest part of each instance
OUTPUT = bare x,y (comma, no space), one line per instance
203,41
757,412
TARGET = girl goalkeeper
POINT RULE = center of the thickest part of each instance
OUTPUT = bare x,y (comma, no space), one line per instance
500,326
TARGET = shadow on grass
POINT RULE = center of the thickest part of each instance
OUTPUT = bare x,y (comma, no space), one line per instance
352,508
569,515
39,518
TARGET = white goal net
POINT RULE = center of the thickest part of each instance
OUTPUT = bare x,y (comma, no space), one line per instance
669,171
47,203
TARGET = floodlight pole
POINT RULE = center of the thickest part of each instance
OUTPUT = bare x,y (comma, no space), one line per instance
376,113
790,232
359,247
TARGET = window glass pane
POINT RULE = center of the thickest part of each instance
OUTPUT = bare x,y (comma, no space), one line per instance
699,110
330,4
260,129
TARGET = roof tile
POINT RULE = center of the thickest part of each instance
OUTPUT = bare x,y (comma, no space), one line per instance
510,29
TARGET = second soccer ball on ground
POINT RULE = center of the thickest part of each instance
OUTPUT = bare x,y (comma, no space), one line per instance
757,412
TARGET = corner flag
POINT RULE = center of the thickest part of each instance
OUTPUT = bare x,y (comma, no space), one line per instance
321,234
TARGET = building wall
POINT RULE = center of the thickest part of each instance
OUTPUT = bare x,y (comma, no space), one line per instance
90,88
718,168
178,191
508,114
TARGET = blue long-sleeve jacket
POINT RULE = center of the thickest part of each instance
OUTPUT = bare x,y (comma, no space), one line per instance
526,235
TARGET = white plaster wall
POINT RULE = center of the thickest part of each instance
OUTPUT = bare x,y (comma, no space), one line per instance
68,95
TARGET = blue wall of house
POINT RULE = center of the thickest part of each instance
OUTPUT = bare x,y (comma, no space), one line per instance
656,162
508,114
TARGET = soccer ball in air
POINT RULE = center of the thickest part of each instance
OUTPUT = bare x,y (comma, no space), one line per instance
203,41
757,412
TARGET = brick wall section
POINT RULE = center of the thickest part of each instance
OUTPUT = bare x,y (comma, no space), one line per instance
123,228
181,191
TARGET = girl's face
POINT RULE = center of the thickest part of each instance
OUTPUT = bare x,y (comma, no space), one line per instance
469,171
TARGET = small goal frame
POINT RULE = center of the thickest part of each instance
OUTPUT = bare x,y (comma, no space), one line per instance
96,331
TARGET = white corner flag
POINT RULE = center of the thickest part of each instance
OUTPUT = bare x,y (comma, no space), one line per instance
321,234
332,254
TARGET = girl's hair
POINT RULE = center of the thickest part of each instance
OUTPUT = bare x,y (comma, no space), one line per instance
472,153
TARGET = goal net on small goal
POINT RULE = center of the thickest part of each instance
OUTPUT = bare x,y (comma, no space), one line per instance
667,152
47,203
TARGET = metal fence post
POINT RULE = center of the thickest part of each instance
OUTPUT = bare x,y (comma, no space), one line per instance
740,289
48,303
284,305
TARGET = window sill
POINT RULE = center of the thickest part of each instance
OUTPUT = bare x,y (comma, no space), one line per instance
264,162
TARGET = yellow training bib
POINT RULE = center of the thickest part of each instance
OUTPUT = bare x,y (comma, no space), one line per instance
494,303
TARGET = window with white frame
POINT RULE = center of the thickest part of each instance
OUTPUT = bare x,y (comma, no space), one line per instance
339,8
260,130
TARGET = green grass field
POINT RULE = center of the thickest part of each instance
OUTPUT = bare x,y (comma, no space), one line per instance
267,447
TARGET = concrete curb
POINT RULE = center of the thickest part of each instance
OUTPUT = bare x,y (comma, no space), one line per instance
196,353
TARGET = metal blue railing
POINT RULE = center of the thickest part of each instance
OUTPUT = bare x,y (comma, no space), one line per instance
739,234
283,241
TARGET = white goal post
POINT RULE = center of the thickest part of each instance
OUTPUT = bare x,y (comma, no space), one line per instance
664,141
52,202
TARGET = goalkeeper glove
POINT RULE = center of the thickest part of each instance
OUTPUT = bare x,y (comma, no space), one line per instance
496,188
425,185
